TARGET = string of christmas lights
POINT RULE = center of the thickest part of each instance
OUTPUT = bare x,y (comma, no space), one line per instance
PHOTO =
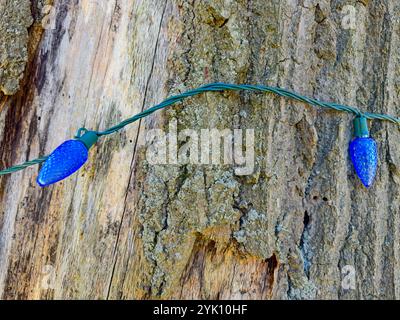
71,155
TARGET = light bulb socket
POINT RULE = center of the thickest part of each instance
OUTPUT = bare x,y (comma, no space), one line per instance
89,139
361,127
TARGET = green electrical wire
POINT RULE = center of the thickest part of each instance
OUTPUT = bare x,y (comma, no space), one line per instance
23,166
217,87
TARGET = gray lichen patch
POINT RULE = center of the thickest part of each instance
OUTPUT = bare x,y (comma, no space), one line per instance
252,234
181,205
15,19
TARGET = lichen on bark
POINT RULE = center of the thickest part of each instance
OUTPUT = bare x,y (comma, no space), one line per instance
15,19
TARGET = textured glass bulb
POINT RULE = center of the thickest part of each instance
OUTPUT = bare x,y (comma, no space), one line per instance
67,158
363,152
64,161
364,156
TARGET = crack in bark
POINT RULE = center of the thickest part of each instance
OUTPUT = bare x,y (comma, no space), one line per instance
135,148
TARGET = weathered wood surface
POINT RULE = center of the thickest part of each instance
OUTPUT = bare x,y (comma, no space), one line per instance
124,229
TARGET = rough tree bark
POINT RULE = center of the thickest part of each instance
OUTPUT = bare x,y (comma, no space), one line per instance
123,229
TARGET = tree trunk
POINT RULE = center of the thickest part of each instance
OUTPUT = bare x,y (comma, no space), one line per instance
300,226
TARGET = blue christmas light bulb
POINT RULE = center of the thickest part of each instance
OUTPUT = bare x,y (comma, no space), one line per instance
66,159
363,152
